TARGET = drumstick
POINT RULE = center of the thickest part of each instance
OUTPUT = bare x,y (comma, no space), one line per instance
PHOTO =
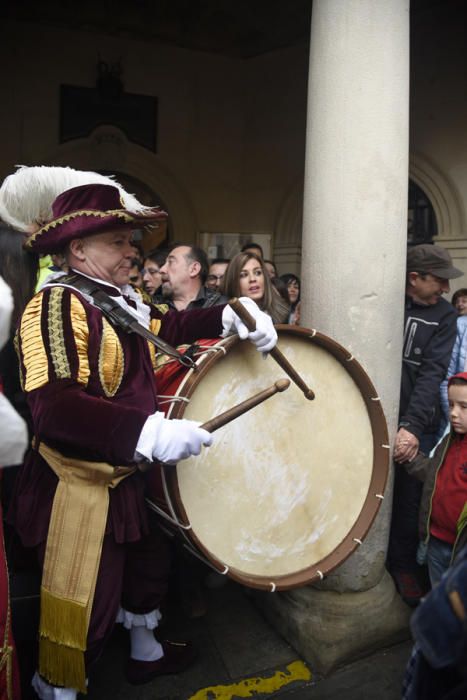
235,412
281,360
241,408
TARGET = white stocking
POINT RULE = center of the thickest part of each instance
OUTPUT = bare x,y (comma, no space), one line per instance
51,692
144,646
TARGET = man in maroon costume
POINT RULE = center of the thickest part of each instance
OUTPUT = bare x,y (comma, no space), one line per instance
79,499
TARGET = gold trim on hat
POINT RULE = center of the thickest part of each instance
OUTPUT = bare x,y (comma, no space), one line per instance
86,212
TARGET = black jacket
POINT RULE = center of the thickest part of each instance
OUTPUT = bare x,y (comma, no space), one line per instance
429,334
205,299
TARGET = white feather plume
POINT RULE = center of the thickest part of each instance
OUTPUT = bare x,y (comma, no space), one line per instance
26,196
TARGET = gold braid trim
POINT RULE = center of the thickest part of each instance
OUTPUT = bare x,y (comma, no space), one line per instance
154,327
16,346
152,354
32,346
79,324
82,212
111,360
6,651
56,334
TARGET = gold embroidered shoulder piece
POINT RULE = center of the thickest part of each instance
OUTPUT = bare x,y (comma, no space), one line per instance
111,360
154,327
58,351
79,324
31,346
52,346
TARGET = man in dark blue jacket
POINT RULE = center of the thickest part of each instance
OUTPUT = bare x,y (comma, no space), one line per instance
429,334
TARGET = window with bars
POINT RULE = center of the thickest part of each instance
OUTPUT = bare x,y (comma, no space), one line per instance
421,223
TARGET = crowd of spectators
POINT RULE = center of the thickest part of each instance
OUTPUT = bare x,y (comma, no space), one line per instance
183,277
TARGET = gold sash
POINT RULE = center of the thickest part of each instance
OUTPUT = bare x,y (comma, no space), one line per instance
72,556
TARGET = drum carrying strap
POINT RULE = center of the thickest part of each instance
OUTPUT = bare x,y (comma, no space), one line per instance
72,557
118,316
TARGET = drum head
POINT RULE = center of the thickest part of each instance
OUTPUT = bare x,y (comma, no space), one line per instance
288,490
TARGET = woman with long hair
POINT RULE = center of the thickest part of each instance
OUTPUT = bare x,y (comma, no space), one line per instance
246,276
293,290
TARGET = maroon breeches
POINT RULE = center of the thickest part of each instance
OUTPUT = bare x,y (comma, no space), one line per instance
133,575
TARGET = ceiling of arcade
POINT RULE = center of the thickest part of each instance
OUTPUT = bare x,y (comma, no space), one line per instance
236,28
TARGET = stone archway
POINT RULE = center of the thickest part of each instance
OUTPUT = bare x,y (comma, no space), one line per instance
441,194
288,231
107,149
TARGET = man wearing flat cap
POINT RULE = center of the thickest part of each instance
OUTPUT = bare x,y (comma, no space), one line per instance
79,499
429,334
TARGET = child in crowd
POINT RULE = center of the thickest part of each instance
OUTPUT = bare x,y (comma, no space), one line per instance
459,300
443,508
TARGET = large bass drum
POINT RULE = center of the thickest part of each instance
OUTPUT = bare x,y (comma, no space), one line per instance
290,489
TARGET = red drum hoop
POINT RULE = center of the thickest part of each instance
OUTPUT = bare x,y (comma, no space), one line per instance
289,490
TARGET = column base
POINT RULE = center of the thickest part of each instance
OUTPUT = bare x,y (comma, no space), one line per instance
330,629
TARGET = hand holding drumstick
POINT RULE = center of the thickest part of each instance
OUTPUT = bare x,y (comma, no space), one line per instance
281,360
179,439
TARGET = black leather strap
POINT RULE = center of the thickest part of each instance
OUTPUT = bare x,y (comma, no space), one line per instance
118,316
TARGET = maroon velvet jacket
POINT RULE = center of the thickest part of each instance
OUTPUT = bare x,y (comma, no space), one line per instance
90,387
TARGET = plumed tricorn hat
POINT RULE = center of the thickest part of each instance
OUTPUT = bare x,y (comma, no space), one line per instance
85,210
31,201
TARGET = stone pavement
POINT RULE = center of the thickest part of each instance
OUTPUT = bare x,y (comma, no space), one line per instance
241,656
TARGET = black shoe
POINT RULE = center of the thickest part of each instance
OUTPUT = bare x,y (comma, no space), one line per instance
177,657
408,587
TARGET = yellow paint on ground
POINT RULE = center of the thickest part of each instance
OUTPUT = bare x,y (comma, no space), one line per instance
296,671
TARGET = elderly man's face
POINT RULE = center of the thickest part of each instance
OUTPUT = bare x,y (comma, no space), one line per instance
106,256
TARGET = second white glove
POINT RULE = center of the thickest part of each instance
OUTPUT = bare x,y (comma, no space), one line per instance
170,441
265,335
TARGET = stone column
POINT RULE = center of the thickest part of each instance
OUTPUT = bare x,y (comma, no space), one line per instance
353,270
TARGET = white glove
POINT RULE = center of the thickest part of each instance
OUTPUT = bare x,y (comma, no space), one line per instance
6,308
170,441
14,439
264,337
